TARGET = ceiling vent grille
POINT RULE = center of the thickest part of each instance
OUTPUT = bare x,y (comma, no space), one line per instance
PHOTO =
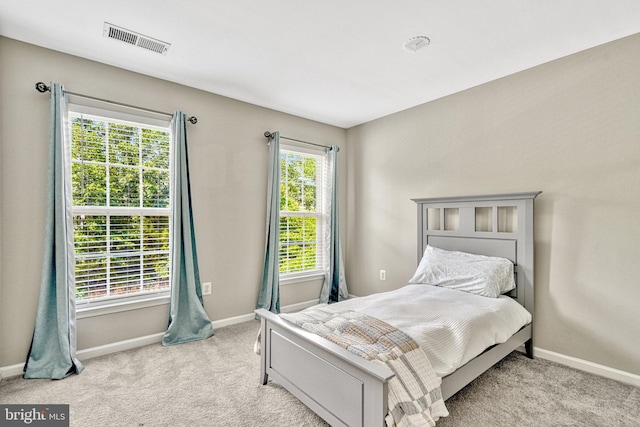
127,36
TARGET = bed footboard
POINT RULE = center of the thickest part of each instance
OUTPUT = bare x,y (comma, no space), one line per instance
342,388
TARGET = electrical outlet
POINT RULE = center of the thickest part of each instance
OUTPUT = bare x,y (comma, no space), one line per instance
383,275
206,288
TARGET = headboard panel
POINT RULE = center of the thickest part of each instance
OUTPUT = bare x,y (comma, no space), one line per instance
493,225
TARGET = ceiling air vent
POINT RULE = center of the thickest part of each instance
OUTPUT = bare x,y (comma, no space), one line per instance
136,39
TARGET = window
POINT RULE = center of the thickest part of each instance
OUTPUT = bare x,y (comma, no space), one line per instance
121,178
301,217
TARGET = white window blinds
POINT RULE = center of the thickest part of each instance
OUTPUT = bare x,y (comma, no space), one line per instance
301,249
121,206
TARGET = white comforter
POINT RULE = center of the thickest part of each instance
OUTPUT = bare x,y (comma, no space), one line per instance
451,326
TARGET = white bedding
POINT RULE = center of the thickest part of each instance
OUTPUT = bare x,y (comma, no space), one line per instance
451,326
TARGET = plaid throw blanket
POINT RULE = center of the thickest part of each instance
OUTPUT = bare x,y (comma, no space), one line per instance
415,398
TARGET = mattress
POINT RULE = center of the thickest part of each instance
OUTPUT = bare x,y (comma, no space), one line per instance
451,326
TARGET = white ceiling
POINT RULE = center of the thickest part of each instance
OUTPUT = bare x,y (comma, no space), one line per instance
339,62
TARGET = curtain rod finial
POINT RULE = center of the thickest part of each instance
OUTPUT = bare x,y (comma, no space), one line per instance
41,87
268,134
193,120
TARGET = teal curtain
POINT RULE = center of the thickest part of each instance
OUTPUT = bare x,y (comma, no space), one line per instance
269,297
53,346
188,320
334,288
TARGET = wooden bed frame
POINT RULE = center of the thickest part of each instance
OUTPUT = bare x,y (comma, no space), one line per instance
346,390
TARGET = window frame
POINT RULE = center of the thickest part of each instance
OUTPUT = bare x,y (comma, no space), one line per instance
319,272
113,304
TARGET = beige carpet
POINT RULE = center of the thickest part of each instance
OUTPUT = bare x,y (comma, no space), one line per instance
216,383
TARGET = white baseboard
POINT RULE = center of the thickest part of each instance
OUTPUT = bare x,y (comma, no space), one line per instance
90,353
585,365
299,306
11,370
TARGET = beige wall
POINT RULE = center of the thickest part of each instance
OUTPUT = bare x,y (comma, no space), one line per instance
228,157
570,128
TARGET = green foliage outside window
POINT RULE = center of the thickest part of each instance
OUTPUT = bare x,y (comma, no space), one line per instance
119,165
298,213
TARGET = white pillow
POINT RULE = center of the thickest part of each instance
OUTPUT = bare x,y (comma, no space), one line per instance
476,274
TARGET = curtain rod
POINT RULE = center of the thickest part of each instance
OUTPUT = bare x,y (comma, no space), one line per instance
42,88
269,135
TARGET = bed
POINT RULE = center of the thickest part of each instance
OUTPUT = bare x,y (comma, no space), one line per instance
347,390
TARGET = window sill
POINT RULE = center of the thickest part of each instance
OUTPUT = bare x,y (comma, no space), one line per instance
294,280
126,304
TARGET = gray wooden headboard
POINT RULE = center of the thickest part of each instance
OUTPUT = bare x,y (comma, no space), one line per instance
494,225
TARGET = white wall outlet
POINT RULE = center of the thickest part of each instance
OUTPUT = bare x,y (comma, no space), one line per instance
383,275
206,288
